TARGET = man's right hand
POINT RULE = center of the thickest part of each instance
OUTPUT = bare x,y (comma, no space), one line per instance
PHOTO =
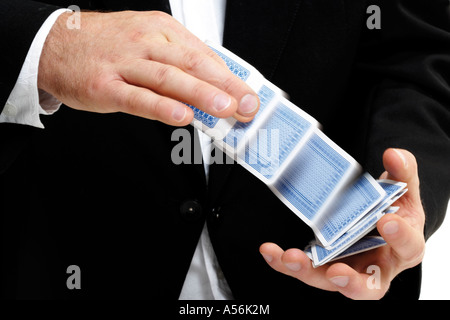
141,63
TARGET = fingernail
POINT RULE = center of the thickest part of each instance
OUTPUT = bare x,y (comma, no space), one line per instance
402,156
340,281
390,227
221,102
248,104
267,257
293,266
179,113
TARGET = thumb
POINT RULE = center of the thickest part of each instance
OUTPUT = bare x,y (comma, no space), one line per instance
401,165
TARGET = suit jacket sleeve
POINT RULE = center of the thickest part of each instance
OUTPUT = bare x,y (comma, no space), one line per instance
19,22
408,61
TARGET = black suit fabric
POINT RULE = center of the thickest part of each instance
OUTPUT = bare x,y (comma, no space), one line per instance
101,191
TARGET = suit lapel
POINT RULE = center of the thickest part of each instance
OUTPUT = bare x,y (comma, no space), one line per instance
251,26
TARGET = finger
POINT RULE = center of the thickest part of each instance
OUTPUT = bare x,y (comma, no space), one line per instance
401,165
147,104
355,285
240,118
295,263
181,35
174,83
202,66
384,175
407,242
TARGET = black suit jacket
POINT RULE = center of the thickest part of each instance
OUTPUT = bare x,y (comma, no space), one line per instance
101,191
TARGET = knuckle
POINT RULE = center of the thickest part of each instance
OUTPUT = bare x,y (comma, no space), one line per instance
214,56
131,103
163,75
136,104
136,35
95,86
160,16
417,256
155,108
198,90
412,258
228,84
160,20
192,61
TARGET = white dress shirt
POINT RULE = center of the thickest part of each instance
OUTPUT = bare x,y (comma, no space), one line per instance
205,280
205,19
26,102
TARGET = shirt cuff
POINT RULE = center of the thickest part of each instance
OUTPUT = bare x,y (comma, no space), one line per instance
26,102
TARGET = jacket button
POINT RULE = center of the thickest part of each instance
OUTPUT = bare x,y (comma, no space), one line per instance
216,212
191,210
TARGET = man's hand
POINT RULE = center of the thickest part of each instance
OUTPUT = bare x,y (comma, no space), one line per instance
403,232
142,63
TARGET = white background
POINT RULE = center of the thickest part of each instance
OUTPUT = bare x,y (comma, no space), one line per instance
436,264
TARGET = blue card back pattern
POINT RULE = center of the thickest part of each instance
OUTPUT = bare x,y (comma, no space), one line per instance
234,67
283,131
312,176
205,118
352,205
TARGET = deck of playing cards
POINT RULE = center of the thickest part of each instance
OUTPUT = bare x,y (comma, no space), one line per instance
324,186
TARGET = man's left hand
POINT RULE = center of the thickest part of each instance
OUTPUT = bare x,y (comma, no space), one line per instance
403,232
